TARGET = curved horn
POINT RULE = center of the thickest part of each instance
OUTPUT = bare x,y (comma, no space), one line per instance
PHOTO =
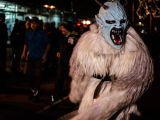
100,4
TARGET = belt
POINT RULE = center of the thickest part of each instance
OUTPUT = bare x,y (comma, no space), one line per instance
103,79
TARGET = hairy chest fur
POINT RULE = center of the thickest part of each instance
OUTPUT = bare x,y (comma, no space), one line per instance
97,57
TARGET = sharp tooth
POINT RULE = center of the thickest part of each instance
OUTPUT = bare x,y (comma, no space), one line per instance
120,38
113,36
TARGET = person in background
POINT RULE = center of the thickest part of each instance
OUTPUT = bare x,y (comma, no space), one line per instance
23,62
37,45
50,69
51,62
27,23
17,43
67,42
3,45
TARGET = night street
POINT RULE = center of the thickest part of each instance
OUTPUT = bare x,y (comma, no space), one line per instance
15,104
105,53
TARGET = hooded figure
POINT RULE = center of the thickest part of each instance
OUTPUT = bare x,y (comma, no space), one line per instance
110,67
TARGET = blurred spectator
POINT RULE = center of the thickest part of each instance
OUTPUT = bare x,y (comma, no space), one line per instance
27,24
3,44
67,42
54,36
17,42
23,63
37,47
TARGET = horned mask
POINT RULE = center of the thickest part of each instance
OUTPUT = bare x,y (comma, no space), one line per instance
112,21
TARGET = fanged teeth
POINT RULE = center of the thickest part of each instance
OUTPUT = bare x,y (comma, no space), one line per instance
113,37
116,31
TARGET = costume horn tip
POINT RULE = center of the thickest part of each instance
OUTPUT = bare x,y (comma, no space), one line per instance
100,4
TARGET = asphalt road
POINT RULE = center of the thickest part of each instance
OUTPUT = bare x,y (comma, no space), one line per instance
15,105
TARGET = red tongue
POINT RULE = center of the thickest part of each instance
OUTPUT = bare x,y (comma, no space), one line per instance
117,41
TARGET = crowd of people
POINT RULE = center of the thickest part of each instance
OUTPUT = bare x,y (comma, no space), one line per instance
3,45
40,51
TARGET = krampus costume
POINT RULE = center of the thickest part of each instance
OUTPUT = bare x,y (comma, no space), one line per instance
110,67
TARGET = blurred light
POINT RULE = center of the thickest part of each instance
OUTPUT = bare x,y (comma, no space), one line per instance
46,6
78,24
142,31
86,22
56,18
49,6
2,5
52,7
139,23
83,22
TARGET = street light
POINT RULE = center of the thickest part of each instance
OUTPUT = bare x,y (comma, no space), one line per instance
49,6
52,7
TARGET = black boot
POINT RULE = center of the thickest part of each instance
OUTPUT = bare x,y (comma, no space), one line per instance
34,95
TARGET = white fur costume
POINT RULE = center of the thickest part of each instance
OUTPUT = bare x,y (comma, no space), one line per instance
130,65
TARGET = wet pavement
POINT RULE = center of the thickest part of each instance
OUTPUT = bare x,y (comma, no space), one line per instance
16,105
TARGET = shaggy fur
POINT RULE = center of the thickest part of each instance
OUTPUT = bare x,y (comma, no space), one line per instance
131,66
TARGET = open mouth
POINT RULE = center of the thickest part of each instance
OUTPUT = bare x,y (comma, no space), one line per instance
116,36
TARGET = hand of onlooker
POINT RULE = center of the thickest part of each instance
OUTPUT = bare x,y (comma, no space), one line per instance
58,55
71,40
44,59
23,56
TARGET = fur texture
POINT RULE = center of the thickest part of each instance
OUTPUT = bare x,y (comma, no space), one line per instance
131,65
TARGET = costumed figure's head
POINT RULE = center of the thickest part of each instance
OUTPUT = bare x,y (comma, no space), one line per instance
112,22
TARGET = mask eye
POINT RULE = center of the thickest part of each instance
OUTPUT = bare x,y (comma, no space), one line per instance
122,21
110,21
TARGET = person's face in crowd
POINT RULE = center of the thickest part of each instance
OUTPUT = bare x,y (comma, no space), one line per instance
27,24
63,30
34,25
46,26
1,20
